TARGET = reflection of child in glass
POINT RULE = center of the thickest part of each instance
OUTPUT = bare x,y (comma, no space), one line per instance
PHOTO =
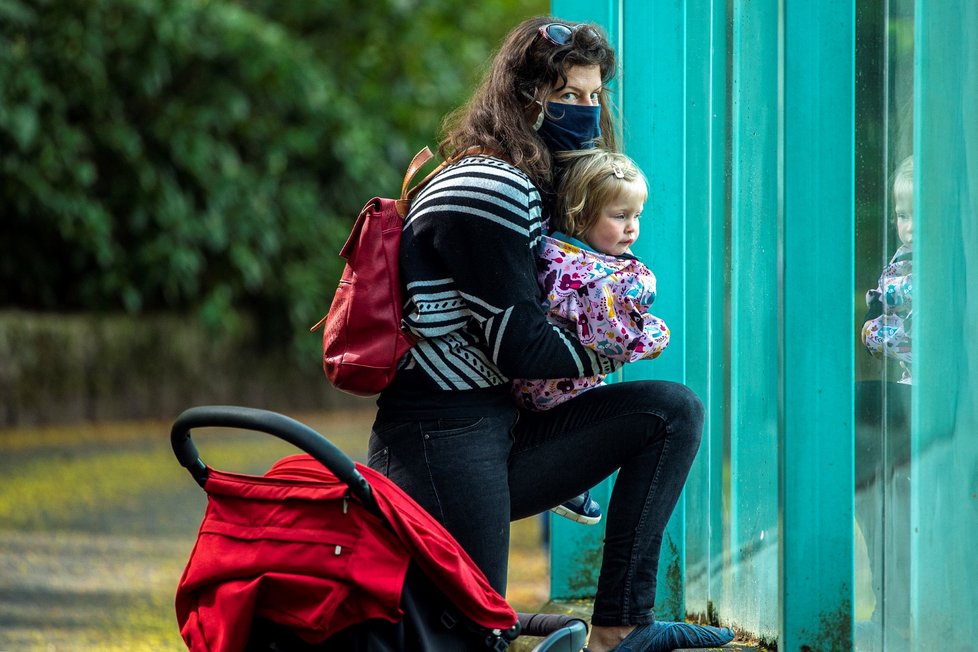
591,282
887,330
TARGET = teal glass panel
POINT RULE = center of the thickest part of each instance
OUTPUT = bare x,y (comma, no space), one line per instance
817,226
706,268
944,437
751,523
652,102
650,97
884,188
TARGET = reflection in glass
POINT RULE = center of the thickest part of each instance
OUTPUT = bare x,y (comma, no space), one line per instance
886,331
883,392
884,300
883,436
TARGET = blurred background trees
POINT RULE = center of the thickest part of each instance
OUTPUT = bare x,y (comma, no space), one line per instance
209,156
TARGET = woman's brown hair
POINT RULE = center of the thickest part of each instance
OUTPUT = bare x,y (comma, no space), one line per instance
523,73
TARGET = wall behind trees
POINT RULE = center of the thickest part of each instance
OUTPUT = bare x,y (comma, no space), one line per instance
58,368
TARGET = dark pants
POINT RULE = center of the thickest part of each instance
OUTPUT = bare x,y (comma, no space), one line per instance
476,474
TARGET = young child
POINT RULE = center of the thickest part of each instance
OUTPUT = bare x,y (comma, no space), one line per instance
887,329
591,282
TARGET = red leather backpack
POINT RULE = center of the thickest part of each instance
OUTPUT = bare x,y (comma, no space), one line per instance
362,336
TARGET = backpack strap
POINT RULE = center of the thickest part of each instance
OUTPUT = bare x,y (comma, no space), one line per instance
419,160
416,164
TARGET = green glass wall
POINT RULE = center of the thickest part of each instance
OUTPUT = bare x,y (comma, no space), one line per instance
835,497
884,148
916,435
944,434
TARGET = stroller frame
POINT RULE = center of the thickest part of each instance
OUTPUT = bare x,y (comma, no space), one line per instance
561,633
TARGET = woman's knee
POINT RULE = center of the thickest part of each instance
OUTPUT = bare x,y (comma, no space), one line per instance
677,406
665,396
692,406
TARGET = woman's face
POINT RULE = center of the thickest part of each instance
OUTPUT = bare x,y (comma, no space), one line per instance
583,87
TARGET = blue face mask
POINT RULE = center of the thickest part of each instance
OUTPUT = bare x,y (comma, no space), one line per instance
568,127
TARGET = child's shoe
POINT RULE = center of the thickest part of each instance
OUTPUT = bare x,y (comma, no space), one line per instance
582,509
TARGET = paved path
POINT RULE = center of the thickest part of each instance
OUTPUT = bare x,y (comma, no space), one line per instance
97,522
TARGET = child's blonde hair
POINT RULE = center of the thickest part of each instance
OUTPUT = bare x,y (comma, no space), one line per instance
903,179
591,179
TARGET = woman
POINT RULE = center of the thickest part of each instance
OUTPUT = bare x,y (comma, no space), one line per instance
447,430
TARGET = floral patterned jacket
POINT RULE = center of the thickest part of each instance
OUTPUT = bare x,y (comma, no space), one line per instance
604,300
887,331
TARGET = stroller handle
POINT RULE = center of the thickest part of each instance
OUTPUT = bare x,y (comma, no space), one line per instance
272,423
539,624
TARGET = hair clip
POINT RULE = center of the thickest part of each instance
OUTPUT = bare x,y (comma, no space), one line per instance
617,171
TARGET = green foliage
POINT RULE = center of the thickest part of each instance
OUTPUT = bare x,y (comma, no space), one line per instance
211,155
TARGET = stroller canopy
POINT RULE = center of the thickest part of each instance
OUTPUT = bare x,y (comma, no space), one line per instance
293,548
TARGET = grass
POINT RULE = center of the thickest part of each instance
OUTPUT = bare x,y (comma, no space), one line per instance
97,522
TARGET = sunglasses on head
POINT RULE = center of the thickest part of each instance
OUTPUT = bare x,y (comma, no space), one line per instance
560,34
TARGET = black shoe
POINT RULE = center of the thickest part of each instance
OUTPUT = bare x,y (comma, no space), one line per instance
582,509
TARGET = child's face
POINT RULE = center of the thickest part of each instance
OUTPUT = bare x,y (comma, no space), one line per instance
617,226
903,207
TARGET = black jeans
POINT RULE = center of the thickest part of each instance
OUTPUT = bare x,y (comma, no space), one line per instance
476,474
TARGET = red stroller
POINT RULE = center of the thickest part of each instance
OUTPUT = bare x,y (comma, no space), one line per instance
322,554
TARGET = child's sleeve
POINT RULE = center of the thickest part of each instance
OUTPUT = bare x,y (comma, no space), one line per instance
888,336
607,305
895,289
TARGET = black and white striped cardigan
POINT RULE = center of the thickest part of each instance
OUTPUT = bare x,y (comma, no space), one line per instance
468,261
